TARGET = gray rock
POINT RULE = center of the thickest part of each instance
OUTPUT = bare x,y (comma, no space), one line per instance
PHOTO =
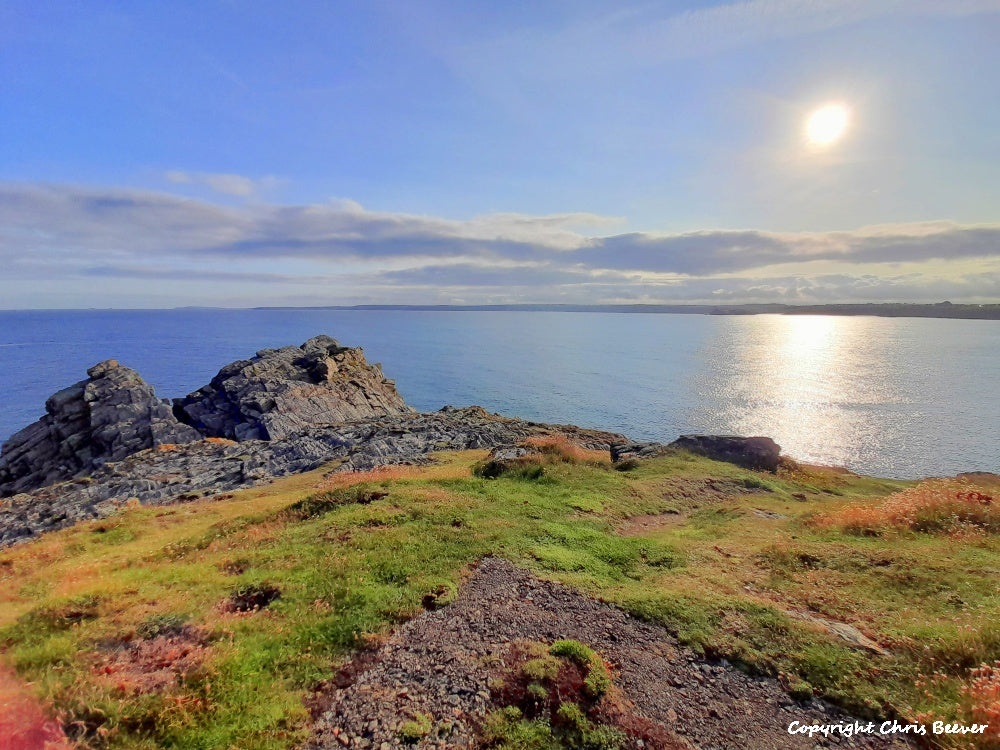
107,417
509,452
175,473
628,451
283,391
760,453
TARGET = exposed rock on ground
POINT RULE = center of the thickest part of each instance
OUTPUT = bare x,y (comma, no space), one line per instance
109,416
283,391
109,439
172,473
760,453
436,666
631,451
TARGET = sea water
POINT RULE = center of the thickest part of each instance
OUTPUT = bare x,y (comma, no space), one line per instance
897,397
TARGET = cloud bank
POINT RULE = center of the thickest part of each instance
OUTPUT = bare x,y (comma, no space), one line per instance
57,240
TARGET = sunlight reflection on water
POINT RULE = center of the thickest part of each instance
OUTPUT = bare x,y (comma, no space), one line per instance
859,391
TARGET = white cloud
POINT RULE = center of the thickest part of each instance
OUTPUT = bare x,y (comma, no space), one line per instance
73,234
227,184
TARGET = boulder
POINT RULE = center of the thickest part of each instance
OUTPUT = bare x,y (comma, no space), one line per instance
283,391
759,453
632,451
109,416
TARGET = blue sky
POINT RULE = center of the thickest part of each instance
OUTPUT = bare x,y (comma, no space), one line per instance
240,153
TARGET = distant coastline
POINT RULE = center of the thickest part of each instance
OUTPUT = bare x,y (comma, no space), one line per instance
882,310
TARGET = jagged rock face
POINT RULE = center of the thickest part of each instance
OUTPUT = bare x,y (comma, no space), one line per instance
283,391
109,416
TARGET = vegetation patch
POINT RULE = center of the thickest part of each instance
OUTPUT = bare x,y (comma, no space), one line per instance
935,506
321,503
153,664
560,449
543,451
561,696
415,729
523,467
349,566
46,620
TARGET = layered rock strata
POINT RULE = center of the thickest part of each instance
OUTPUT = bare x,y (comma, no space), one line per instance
109,416
115,413
283,391
173,473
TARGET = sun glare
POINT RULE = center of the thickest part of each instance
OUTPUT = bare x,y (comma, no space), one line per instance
827,124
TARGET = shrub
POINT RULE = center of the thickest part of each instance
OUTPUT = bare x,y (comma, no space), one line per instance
982,697
553,697
560,449
578,652
598,679
545,450
42,621
754,483
506,728
320,503
936,506
524,467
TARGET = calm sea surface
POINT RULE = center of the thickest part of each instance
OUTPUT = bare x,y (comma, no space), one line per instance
892,397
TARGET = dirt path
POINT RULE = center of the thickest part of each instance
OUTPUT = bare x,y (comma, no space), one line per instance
23,723
436,665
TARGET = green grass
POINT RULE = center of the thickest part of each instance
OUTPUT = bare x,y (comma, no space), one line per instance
349,565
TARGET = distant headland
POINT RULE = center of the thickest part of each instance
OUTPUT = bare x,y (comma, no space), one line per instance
878,309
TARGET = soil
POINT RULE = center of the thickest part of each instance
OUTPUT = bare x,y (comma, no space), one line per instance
439,666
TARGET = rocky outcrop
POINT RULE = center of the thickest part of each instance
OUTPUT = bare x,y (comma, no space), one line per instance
108,439
630,451
172,473
283,391
105,418
114,413
759,453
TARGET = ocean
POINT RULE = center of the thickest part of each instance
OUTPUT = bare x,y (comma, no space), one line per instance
894,397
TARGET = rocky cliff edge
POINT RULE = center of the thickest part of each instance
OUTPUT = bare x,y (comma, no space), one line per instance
115,414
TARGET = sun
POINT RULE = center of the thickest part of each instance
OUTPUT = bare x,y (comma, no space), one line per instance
827,124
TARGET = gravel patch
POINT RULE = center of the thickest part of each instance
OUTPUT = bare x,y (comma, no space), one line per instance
439,665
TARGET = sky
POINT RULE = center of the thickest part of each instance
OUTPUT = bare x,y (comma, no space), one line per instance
235,153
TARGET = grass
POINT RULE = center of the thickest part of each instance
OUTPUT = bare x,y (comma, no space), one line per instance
554,697
955,507
342,559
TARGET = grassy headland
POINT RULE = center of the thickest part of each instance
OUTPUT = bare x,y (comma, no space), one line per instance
208,624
